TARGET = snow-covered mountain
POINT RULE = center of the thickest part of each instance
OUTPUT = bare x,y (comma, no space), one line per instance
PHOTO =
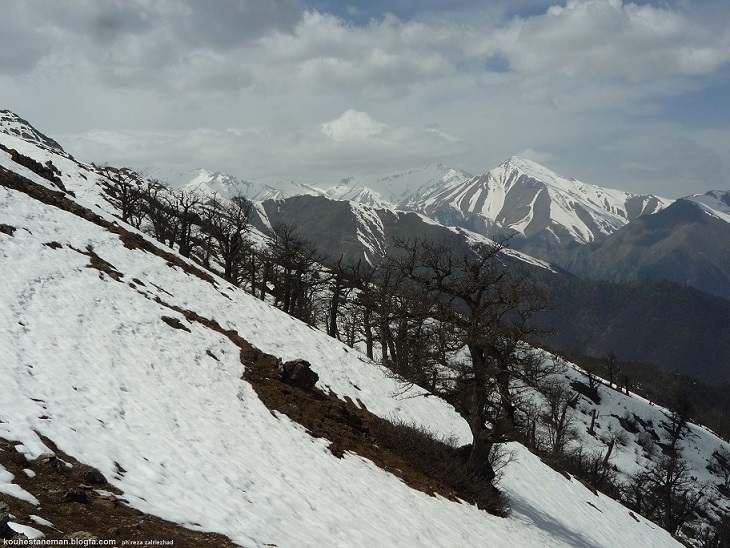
715,203
396,190
226,185
546,210
135,361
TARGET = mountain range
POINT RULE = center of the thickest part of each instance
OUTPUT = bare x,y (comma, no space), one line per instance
519,196
593,232
140,391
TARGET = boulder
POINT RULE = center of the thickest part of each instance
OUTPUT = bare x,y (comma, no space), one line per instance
298,373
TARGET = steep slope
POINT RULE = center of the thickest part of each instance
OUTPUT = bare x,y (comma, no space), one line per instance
130,359
635,434
687,243
547,212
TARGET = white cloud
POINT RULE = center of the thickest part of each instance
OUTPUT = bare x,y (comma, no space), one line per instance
608,39
536,155
352,126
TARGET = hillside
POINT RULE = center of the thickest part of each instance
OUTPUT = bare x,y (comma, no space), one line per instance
133,360
651,321
687,243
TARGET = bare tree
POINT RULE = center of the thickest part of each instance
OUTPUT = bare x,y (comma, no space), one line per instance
558,415
594,467
123,187
159,212
295,273
721,467
490,308
666,493
610,362
678,418
342,281
185,205
228,225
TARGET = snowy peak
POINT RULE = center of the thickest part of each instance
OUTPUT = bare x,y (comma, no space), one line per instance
525,197
396,190
601,202
715,203
227,185
12,124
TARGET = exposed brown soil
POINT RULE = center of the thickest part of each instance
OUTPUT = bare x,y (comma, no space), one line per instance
69,500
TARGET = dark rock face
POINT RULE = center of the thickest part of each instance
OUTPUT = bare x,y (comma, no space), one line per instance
298,373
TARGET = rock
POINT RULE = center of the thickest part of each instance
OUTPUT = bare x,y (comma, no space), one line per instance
298,373
52,461
336,450
44,458
76,495
94,477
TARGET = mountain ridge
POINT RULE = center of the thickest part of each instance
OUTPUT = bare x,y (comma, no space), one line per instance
687,243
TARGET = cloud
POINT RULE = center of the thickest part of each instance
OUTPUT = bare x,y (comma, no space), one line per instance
384,58
610,39
233,46
536,155
352,126
144,43
22,44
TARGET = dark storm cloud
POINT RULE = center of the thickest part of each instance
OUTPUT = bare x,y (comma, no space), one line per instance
218,24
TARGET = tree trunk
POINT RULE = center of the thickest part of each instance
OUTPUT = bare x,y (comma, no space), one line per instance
481,449
368,330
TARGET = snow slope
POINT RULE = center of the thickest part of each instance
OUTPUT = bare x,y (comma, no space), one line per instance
12,124
88,362
639,450
715,203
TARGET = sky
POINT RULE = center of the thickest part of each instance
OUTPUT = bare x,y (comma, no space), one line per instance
633,96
